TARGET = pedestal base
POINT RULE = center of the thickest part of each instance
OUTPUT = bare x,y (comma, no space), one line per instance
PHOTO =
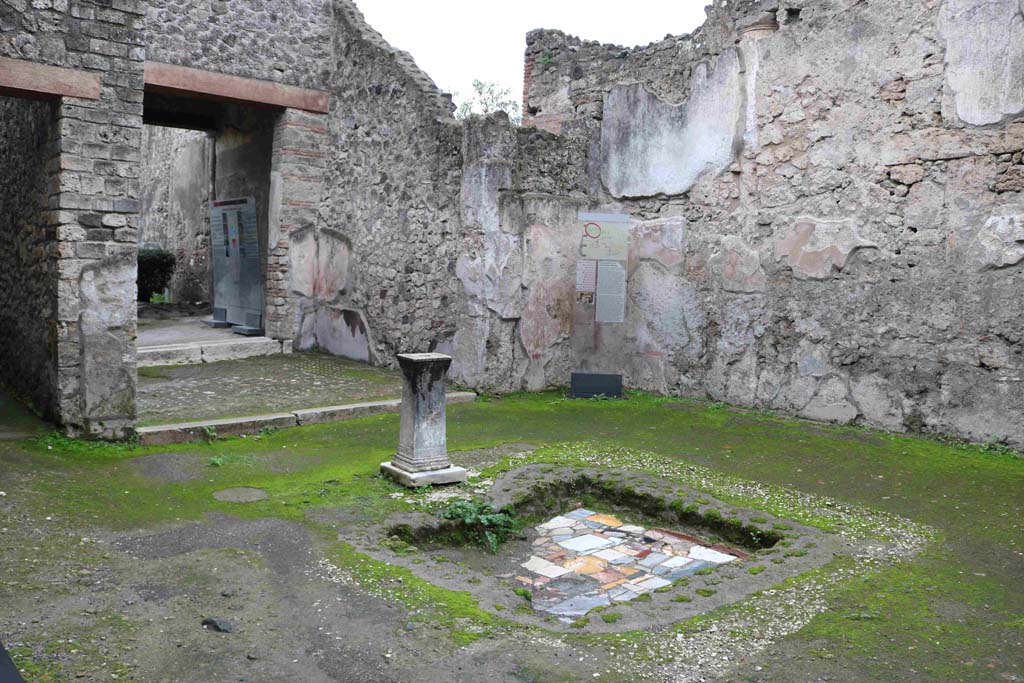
449,475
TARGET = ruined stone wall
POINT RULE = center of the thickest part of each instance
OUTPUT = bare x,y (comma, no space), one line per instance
285,41
375,275
176,179
27,284
827,217
92,197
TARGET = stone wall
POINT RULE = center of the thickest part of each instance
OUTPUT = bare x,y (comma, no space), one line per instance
176,180
827,217
92,201
374,275
27,283
275,40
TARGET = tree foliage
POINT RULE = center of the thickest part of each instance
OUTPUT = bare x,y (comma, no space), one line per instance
488,97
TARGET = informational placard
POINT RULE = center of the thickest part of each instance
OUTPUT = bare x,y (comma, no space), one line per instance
586,275
605,236
237,279
611,292
602,268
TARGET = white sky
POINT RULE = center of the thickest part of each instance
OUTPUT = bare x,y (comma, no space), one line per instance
457,41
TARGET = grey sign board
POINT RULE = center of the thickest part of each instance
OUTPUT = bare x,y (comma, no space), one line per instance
237,278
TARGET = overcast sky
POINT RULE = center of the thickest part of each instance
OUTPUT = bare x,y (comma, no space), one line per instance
457,41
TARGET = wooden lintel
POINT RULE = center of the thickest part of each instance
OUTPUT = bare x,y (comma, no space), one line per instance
185,81
20,78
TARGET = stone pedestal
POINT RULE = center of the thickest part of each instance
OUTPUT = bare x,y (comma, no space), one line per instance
422,457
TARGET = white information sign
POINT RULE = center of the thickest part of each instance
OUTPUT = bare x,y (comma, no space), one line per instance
604,254
605,236
586,275
611,292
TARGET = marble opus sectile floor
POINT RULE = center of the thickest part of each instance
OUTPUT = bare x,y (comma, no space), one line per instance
585,559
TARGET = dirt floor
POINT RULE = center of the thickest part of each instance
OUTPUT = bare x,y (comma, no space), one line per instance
112,557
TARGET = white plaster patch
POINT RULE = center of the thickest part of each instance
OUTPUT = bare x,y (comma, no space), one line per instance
650,147
343,332
1000,243
984,58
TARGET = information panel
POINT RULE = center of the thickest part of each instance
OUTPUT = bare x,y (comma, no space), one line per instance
237,279
611,292
601,272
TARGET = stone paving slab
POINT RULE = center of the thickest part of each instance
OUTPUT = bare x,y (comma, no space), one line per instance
259,386
211,352
191,432
603,561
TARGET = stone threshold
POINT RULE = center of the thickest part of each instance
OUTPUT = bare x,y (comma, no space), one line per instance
191,432
193,353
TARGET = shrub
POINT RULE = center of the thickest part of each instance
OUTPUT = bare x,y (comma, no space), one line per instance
156,266
482,525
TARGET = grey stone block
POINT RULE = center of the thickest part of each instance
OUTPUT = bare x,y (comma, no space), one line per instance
449,475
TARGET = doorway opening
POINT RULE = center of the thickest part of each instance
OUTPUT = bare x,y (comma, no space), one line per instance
205,213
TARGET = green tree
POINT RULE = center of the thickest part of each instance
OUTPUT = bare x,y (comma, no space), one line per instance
489,97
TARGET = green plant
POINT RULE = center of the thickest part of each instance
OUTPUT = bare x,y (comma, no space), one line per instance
546,57
217,461
524,593
156,266
482,524
706,592
488,98
610,617
682,598
580,623
209,434
756,570
157,298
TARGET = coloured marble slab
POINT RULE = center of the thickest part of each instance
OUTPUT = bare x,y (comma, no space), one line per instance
589,559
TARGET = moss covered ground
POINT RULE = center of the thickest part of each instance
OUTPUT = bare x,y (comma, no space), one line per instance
952,613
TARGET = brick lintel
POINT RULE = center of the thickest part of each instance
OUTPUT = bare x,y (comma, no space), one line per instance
20,78
185,81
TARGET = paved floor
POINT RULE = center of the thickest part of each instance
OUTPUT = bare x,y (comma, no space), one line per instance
258,386
587,560
181,331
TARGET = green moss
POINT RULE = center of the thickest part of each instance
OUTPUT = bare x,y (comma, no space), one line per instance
705,592
582,622
41,669
610,617
524,593
682,598
970,493
756,570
